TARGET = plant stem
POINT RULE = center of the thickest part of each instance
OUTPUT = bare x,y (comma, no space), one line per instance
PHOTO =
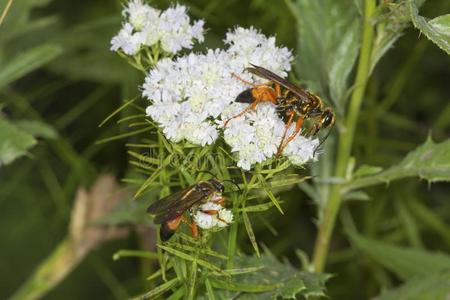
346,140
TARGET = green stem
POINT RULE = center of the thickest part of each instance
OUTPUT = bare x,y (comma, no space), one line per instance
346,140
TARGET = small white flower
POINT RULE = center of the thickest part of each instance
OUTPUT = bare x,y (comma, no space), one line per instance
147,26
205,221
139,14
193,95
222,218
301,150
225,217
126,40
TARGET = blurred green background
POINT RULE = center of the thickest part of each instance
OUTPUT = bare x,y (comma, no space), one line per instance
77,82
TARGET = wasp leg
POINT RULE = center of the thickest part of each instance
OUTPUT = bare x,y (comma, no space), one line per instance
286,127
243,80
278,90
313,130
192,226
298,128
214,213
220,201
247,109
248,82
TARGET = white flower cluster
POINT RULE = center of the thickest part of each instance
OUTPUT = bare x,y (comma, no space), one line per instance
207,221
193,95
147,26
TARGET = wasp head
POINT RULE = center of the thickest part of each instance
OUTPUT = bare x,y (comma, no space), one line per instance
217,185
327,119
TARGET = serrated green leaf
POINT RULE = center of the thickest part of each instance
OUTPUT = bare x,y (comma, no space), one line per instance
429,287
13,142
279,280
404,262
243,287
27,62
430,161
436,30
37,128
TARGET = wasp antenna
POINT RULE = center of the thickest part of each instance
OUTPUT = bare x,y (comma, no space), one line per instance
322,141
209,172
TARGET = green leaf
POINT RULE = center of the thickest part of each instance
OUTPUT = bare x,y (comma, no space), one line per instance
251,234
272,281
389,27
328,41
190,258
134,253
27,62
14,142
269,193
430,161
404,262
37,128
159,290
429,287
437,30
365,170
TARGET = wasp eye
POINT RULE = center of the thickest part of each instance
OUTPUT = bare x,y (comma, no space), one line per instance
328,119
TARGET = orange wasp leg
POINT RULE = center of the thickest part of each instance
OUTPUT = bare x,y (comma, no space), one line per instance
286,127
298,128
192,226
247,109
214,213
248,82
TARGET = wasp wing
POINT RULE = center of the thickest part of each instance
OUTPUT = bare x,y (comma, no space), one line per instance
175,205
166,203
264,73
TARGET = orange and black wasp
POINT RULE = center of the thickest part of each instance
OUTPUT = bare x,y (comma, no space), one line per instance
292,101
169,210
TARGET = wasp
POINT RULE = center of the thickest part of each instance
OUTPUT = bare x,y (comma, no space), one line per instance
292,102
169,210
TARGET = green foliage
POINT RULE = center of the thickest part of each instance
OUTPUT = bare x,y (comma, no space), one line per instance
37,128
329,39
430,287
404,262
436,30
14,142
26,62
430,161
58,80
279,280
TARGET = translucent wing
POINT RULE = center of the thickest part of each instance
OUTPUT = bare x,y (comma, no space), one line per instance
264,73
174,205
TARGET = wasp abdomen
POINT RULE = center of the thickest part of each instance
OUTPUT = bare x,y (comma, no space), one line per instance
245,97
